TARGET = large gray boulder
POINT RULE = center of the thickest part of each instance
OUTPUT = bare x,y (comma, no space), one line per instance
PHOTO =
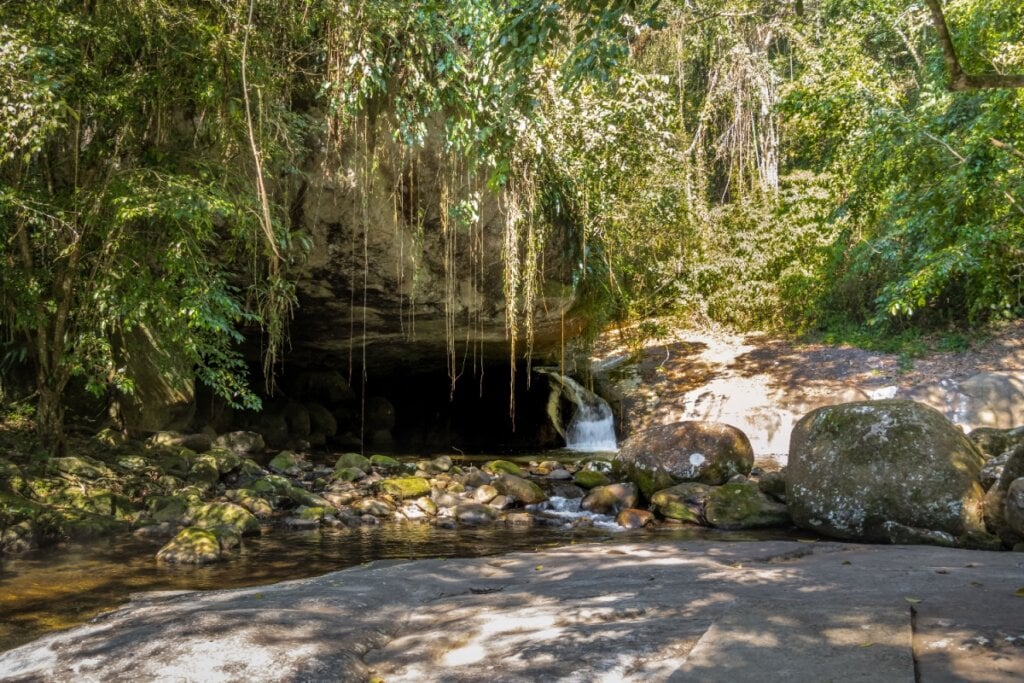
859,470
662,456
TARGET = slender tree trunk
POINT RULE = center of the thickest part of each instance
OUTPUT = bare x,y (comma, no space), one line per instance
50,413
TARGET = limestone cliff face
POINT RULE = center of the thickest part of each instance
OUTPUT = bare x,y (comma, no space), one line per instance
387,267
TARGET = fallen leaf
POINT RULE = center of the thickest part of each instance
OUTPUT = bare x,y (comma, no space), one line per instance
913,601
538,568
807,540
847,562
1019,592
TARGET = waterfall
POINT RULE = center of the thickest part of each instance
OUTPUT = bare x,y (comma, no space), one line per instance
592,427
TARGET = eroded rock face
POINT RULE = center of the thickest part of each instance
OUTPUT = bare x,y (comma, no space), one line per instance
859,470
706,452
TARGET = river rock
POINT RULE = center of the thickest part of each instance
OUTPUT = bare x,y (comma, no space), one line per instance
684,502
633,518
228,515
743,506
707,452
192,545
522,490
81,466
373,507
610,499
856,466
590,479
498,467
385,462
474,477
475,513
240,442
484,494
405,487
996,498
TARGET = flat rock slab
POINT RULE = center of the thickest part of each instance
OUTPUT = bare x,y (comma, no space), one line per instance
694,610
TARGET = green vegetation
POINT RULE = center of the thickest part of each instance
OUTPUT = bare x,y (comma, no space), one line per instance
829,165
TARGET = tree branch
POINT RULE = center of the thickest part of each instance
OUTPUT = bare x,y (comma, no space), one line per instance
958,79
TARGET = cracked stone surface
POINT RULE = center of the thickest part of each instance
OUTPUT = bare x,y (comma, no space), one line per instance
695,610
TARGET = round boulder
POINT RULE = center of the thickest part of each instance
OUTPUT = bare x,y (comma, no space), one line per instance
705,452
857,470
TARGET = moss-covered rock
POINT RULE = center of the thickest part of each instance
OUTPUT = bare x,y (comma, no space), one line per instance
81,526
522,490
773,484
240,442
385,462
11,477
665,455
352,460
111,438
224,514
497,467
259,506
192,545
589,479
633,518
405,487
204,471
81,466
171,509
684,502
996,499
743,506
857,466
349,474
285,461
610,499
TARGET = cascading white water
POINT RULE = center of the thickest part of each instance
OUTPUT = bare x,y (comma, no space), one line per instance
592,427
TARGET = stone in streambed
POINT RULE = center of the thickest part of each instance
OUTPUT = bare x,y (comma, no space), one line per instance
632,518
225,515
405,487
192,545
523,490
475,513
684,502
240,442
352,460
285,461
665,455
385,462
609,500
590,479
743,506
485,493
504,467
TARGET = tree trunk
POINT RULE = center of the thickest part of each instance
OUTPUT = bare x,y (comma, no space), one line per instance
50,417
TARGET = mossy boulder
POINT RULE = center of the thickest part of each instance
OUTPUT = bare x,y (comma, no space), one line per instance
11,477
171,509
589,479
80,526
743,506
192,545
497,467
321,420
204,471
522,490
385,462
81,467
611,499
855,467
15,508
227,515
405,487
259,506
665,455
285,461
349,474
684,502
240,442
352,460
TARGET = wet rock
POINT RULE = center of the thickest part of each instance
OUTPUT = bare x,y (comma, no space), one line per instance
522,490
475,513
589,479
349,474
856,466
446,500
610,499
743,506
286,461
485,493
169,509
385,462
665,455
259,507
502,502
519,519
428,506
560,475
405,487
374,507
192,545
498,467
633,518
441,463
228,515
566,490
474,477
240,442
684,502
